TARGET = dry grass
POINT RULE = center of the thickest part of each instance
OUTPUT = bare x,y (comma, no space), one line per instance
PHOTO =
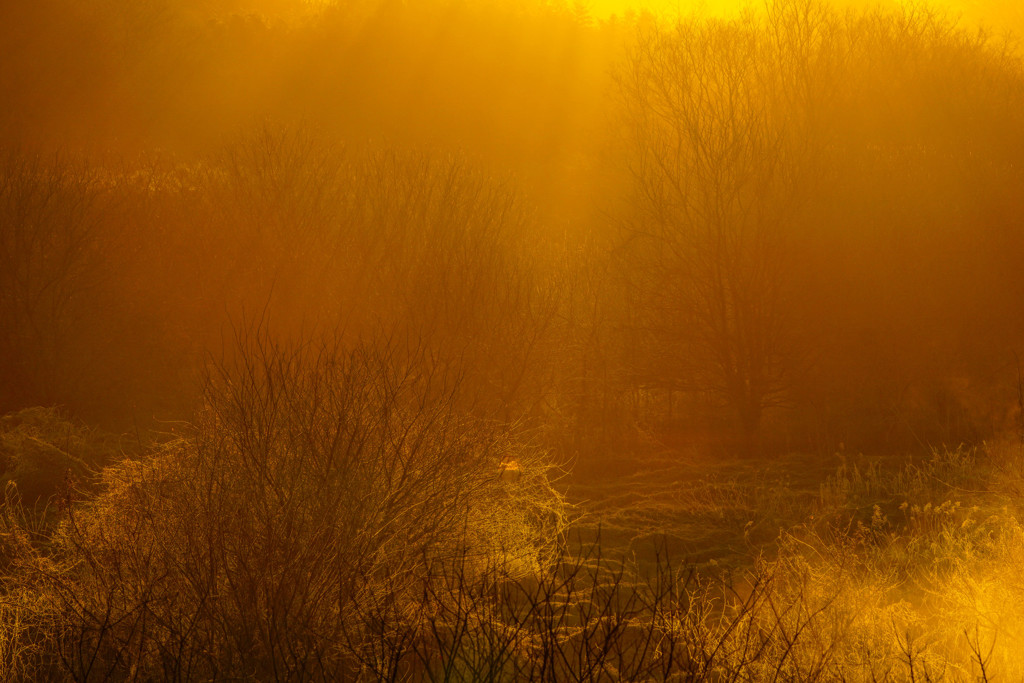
197,562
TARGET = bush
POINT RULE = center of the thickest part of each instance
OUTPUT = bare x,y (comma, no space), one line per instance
314,480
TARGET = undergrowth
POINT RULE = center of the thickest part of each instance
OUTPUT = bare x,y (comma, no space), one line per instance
272,543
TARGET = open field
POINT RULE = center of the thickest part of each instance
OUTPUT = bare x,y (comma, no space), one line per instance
727,511
703,508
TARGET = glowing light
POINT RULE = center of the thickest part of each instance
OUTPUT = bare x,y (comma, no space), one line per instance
994,15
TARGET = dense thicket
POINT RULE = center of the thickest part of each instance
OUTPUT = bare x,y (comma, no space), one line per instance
813,223
793,229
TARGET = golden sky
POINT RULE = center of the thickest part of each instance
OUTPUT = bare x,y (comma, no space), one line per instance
998,15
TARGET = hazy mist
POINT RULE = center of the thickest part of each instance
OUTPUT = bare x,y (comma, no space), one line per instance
493,340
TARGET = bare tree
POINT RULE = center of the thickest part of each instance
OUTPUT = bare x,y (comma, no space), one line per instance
49,256
717,119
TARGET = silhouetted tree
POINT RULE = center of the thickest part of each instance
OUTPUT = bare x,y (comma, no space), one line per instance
717,114
49,256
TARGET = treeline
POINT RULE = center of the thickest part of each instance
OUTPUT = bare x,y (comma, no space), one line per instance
792,230
821,211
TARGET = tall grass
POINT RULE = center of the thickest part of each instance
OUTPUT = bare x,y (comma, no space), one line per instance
330,516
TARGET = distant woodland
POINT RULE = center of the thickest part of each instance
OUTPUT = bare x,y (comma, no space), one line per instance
785,231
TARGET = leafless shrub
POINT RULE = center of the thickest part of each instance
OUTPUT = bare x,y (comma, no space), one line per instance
315,480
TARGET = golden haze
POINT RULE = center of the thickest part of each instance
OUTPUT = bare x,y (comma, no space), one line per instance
494,340
993,15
